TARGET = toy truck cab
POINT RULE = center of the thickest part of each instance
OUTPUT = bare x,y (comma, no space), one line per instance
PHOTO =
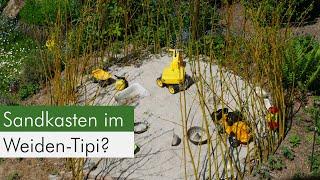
174,75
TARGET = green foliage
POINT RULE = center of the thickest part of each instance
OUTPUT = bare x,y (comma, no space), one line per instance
8,32
315,161
302,64
95,30
268,11
288,153
43,12
314,113
288,11
15,51
169,25
275,163
27,90
262,171
36,69
31,13
14,176
299,175
7,100
310,139
213,44
294,140
3,3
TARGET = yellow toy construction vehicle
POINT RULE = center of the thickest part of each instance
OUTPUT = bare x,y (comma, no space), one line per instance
233,124
105,78
173,76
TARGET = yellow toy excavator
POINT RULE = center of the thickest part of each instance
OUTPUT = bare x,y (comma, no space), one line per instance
232,123
105,78
173,76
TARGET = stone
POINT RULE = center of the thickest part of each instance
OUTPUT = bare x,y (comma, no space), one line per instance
54,177
176,140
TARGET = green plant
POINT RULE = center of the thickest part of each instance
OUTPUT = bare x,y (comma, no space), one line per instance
314,113
275,163
44,12
3,4
35,68
309,138
290,11
55,172
299,175
288,153
294,140
302,64
27,90
315,161
7,100
12,49
21,68
14,176
262,171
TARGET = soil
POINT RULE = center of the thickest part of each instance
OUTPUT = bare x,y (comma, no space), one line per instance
299,167
21,168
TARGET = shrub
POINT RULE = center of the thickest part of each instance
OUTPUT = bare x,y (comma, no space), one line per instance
315,161
288,153
35,69
314,112
28,90
19,67
43,12
8,32
3,3
302,64
14,176
290,11
6,100
275,163
11,54
294,140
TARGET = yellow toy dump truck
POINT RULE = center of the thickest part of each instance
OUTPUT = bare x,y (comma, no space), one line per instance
174,76
232,123
105,78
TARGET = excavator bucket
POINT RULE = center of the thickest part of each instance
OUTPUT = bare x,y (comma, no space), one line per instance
100,74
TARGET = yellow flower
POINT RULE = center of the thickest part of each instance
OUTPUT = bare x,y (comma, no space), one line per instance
50,44
272,117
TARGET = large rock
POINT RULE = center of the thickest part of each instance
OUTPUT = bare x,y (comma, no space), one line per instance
13,7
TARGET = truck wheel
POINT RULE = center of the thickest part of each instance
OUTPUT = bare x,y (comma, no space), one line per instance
234,142
218,114
159,82
173,89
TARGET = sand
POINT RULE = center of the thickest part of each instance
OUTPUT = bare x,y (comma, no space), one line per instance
157,159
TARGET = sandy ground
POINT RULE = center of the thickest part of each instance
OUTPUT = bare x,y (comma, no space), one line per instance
157,159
